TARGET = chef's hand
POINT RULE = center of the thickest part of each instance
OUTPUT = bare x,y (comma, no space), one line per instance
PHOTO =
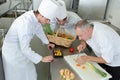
82,59
82,46
50,46
47,59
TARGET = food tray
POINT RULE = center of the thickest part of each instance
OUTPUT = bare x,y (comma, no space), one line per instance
57,53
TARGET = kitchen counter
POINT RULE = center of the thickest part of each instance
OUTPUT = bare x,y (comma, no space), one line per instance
60,63
57,65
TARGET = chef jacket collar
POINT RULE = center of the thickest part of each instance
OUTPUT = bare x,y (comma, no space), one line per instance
35,20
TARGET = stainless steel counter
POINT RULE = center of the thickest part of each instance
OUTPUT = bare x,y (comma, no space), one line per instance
60,63
57,65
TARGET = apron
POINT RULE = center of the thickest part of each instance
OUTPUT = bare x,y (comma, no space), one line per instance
16,65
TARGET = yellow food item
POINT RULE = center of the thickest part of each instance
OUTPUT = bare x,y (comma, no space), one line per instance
57,53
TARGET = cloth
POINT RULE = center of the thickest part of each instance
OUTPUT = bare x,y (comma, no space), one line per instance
18,57
105,42
47,8
72,19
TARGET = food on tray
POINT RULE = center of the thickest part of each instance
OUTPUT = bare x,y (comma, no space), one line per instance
57,53
66,74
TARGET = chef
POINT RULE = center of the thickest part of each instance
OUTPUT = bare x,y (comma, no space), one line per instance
104,41
66,19
18,58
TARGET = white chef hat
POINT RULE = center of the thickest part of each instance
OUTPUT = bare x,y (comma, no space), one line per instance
48,8
61,13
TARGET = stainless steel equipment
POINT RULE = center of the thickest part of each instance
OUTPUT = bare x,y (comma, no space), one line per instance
93,9
68,4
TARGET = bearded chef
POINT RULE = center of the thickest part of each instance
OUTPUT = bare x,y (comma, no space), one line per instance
18,58
66,19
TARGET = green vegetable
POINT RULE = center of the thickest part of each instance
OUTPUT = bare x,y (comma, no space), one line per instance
47,29
103,74
70,38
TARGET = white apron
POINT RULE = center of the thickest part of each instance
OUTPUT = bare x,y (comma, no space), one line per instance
16,65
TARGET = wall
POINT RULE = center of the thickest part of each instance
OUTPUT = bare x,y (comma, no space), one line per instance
37,2
113,12
93,9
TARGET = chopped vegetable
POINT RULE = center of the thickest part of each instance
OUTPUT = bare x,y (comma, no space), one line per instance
103,74
47,29
83,67
70,38
77,64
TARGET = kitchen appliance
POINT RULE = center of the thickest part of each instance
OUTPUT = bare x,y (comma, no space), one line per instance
93,9
2,1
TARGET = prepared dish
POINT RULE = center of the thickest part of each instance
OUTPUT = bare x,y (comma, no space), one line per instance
57,53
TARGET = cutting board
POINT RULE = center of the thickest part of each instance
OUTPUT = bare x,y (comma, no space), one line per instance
85,73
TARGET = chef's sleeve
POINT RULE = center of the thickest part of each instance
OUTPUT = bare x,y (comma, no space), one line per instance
24,41
41,34
107,50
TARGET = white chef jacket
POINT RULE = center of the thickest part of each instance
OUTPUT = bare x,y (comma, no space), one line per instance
72,19
105,42
17,55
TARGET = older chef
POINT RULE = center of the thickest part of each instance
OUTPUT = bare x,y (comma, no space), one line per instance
18,57
105,43
66,19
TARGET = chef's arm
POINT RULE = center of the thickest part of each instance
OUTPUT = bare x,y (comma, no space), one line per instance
42,37
47,59
82,46
24,42
40,33
27,51
84,59
83,42
96,59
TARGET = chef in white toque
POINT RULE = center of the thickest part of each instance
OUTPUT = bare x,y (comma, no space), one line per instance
18,58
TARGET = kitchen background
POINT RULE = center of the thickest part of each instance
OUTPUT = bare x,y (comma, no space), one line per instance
107,11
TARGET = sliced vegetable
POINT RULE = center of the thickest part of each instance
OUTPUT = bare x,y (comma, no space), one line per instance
103,74
77,64
83,67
